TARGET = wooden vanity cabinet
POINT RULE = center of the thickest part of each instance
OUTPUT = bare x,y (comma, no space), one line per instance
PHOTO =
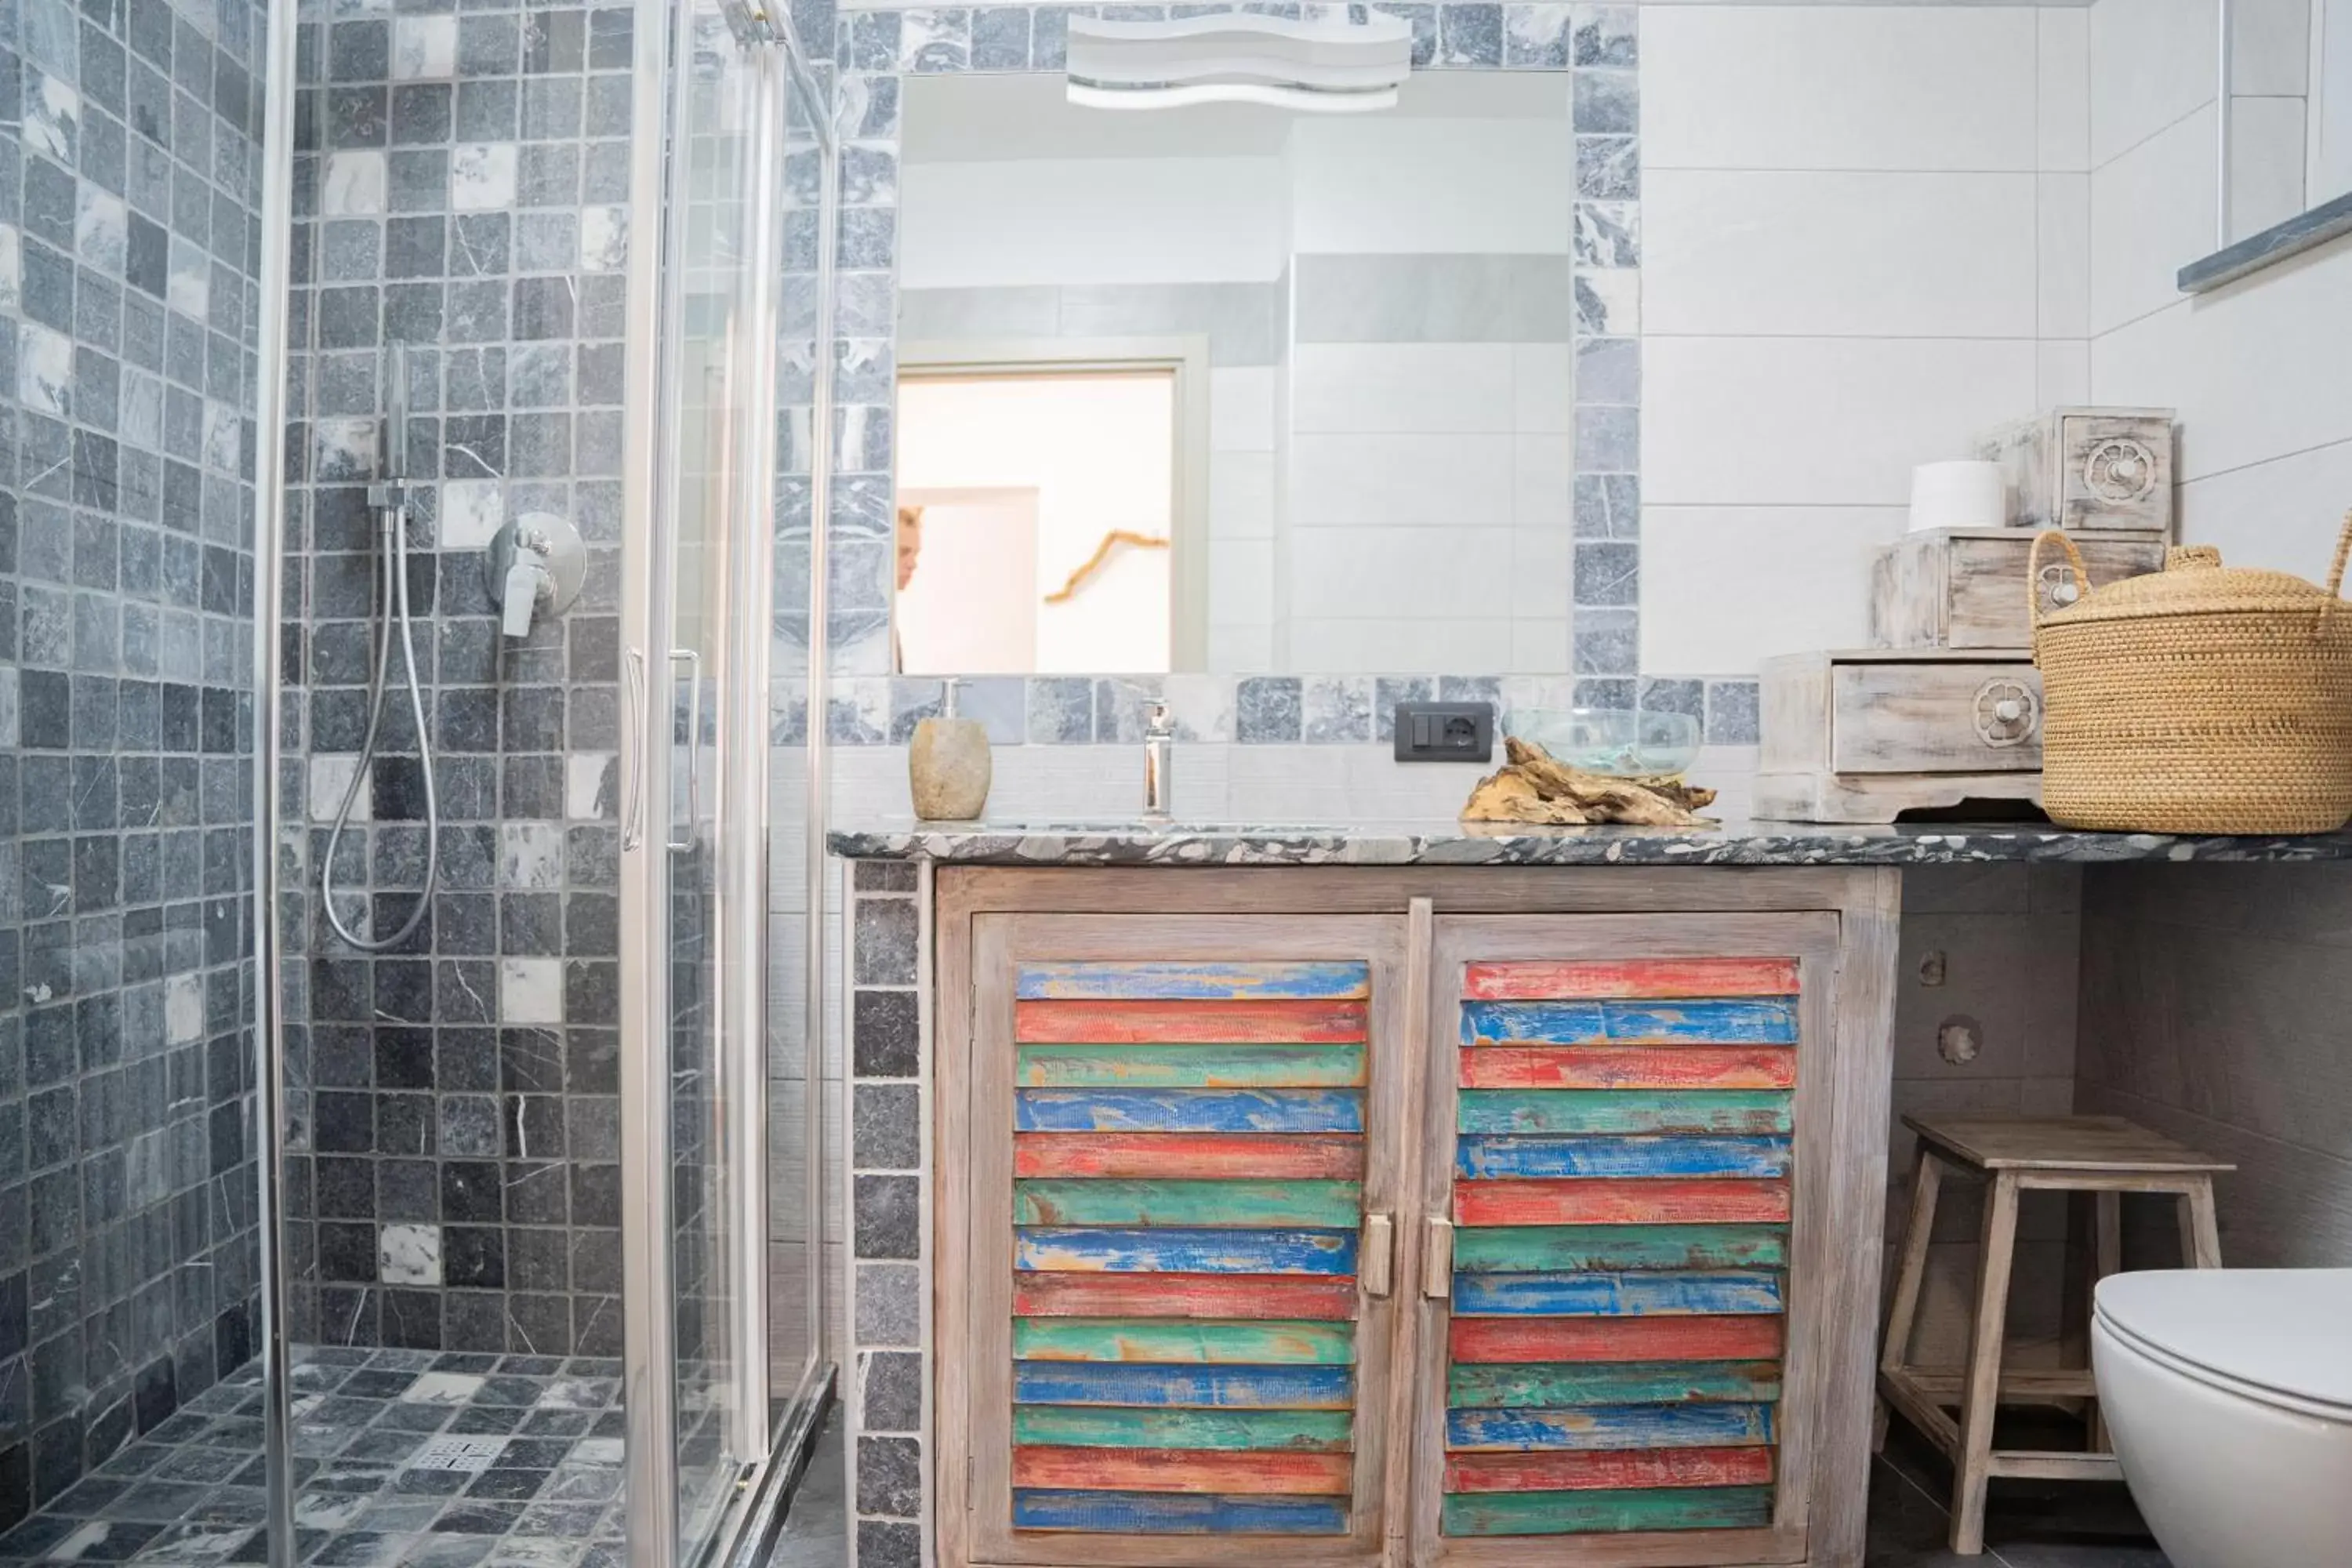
1418,1217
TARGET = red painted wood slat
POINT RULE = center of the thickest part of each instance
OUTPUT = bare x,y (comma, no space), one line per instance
1521,1339
1545,981
1236,1156
1628,1067
1621,1201
1247,1296
1188,1023
1591,1470
1182,1471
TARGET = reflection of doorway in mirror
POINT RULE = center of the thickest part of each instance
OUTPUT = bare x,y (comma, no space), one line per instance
1037,507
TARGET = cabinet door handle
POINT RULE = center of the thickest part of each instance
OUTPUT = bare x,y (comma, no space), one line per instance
1380,1255
1437,1261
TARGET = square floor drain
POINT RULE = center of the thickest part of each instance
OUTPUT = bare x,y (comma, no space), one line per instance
472,1455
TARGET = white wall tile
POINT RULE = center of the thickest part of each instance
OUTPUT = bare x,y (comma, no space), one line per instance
2284,514
2062,372
1722,588
1543,483
1838,253
2257,370
2266,162
1404,572
1543,388
2063,70
2270,47
1818,421
1236,649
1386,643
2151,214
2152,62
1838,87
1348,481
2063,242
1241,495
1241,409
1241,581
1089,220
1542,577
1402,388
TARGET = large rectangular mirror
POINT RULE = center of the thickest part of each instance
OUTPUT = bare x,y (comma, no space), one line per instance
1230,387
2285,156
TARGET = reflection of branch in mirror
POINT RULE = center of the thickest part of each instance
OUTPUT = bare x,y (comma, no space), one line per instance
1077,579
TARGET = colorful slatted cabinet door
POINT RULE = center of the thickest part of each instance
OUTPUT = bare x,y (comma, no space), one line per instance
1188,1199
1624,1139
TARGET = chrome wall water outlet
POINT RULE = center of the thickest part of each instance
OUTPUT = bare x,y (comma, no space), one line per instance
535,564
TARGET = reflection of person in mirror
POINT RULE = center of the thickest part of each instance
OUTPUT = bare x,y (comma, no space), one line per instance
910,550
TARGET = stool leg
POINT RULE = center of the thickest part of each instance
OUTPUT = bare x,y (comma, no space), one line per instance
1971,1465
2110,1260
2200,1232
1927,1184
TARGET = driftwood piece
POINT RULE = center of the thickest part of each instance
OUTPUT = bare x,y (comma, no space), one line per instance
1532,787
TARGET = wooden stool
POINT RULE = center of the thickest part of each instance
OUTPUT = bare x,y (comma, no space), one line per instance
2103,1155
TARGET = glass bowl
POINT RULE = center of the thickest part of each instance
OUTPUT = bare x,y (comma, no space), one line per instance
1618,741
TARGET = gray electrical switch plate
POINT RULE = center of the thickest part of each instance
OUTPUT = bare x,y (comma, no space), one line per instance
1444,732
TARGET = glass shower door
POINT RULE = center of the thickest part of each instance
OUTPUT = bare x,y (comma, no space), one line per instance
695,619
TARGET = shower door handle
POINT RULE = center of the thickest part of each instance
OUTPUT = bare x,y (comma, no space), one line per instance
693,657
633,715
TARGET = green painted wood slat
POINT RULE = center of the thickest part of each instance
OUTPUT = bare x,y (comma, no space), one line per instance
1109,1427
1185,1341
1207,1204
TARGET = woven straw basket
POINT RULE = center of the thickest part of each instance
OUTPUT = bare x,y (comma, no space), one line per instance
2199,699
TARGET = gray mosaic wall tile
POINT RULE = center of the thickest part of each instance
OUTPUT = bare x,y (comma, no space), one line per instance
130,177
462,188
889,1204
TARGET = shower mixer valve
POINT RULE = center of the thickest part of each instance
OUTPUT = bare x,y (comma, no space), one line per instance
535,562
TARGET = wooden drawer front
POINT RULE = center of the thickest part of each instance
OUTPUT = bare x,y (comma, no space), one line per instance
1930,717
1621,1197
1945,590
1189,1161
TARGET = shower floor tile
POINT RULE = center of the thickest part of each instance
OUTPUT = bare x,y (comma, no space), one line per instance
420,1458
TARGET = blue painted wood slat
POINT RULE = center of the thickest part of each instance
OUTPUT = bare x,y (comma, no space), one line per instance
1187,1110
1191,1387
1630,1294
1740,1021
1181,1250
1195,982
1504,1156
1171,1513
1611,1426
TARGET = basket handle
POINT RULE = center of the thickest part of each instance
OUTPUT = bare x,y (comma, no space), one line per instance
2336,574
2082,573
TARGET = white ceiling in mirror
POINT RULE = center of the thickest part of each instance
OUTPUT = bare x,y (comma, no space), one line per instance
980,118
1326,65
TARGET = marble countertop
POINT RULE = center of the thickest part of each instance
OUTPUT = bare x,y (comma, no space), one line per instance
1444,843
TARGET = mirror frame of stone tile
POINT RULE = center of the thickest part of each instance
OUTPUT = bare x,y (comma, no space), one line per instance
2316,225
1596,45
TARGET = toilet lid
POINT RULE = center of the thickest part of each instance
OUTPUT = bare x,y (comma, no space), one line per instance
2278,1328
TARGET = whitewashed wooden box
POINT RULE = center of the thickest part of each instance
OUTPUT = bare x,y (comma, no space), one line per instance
2087,468
1965,587
1860,735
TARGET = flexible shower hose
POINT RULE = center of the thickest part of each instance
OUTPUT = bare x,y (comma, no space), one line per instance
392,564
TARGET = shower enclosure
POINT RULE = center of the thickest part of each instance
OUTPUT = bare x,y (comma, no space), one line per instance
400,402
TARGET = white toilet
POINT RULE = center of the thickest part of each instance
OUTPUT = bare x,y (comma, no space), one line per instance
2229,1397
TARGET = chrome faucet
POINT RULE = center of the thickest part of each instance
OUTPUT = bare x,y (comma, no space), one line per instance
1158,743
